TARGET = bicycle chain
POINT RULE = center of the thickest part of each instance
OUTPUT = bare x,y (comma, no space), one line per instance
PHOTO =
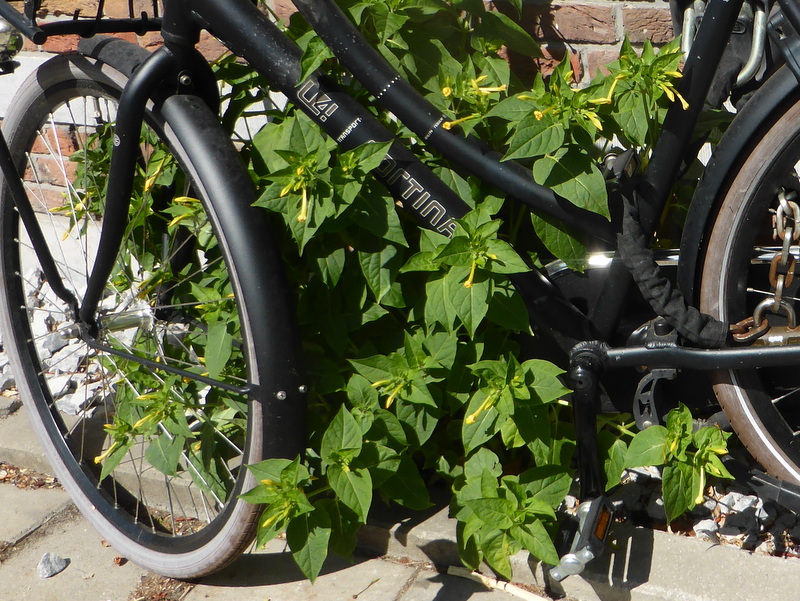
781,273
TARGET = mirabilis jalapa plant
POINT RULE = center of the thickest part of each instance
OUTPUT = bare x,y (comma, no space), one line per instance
413,338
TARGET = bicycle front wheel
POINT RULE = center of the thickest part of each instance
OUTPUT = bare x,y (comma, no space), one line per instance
762,404
150,421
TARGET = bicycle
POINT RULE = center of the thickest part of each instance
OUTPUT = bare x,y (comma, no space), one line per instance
188,318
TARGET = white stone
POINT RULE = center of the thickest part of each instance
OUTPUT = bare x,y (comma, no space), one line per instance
51,564
65,361
729,501
84,397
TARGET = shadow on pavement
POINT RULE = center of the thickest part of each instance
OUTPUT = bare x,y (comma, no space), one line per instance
625,565
266,569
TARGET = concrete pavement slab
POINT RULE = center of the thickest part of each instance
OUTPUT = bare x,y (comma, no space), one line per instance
92,573
23,510
271,574
433,586
19,445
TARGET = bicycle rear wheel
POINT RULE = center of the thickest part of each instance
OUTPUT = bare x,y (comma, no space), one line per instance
762,404
148,424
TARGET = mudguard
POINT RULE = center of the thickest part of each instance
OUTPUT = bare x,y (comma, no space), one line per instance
126,56
742,135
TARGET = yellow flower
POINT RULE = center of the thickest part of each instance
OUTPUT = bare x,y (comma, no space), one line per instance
448,125
592,116
672,93
447,91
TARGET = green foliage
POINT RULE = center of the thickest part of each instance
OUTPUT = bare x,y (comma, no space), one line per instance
687,456
413,338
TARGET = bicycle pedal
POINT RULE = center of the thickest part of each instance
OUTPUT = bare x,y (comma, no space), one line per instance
595,519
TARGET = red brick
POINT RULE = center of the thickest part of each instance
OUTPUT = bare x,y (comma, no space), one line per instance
283,9
68,141
574,22
151,40
210,47
61,43
128,36
646,23
67,7
119,8
597,58
52,171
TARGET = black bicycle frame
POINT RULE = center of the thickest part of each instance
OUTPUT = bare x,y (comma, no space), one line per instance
249,34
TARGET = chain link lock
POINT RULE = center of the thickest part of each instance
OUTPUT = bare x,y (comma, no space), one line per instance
786,228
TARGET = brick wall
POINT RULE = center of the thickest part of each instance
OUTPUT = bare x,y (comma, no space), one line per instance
589,32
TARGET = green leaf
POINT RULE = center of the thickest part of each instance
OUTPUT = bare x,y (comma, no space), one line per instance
572,174
112,461
563,244
469,304
679,431
535,538
353,487
485,426
381,461
498,26
508,310
442,348
494,512
344,526
380,269
361,393
678,483
314,54
407,487
546,383
535,138
308,535
343,434
632,117
548,483
504,259
387,426
497,548
612,451
456,252
218,348
482,460
437,307
467,547
369,156
164,453
648,447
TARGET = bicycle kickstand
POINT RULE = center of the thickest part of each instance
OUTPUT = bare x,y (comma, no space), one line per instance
595,513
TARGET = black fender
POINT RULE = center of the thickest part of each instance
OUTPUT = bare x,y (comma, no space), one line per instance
213,162
742,135
126,57
265,292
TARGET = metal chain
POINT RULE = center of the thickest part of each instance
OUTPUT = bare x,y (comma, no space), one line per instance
786,229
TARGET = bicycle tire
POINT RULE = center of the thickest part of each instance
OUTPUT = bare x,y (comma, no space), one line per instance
171,504
735,277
